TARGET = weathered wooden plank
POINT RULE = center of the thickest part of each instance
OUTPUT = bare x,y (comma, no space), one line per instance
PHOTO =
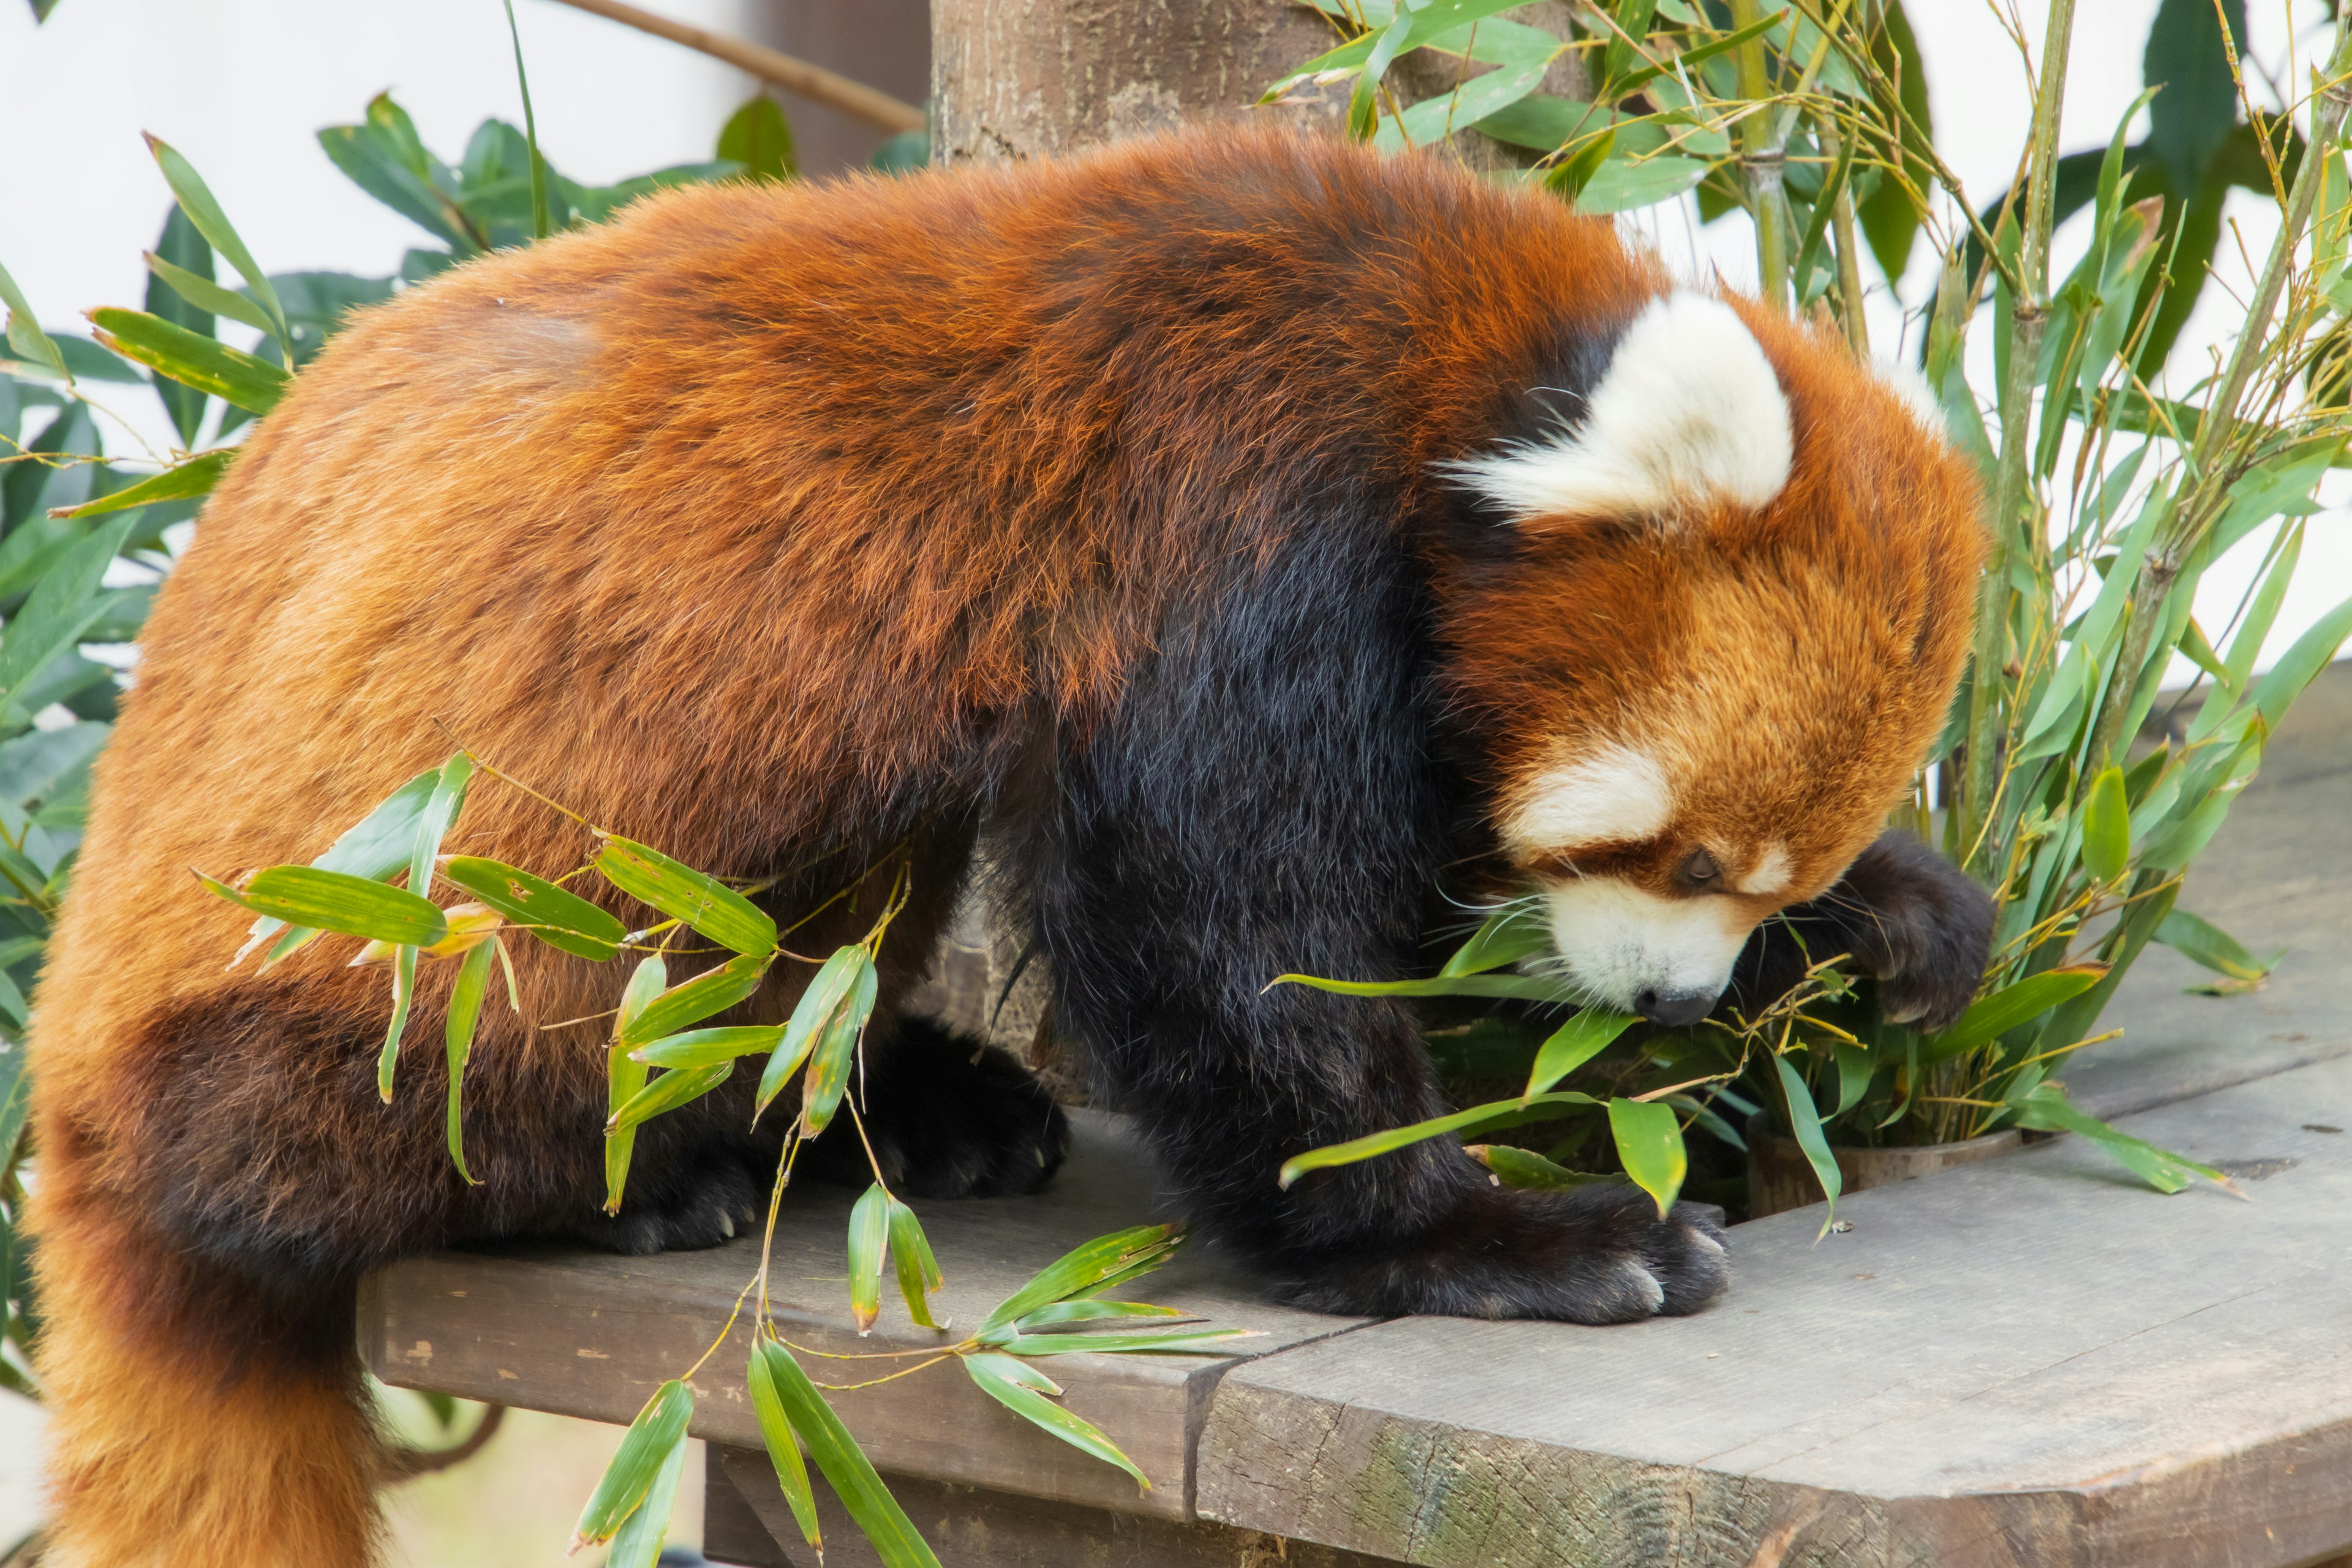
968,1528
2029,1362
593,1335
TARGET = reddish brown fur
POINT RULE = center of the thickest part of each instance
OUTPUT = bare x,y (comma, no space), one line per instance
726,525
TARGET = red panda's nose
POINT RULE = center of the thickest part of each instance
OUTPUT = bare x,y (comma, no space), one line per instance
1673,1010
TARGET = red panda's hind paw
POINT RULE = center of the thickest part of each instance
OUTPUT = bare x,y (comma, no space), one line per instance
708,1208
948,1117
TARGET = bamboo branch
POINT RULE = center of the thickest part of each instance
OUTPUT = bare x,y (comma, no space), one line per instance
797,76
1763,161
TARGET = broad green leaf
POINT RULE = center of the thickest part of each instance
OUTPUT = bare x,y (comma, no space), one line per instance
623,1077
1518,1168
784,1448
2201,941
379,844
1183,1342
758,137
1650,1143
825,996
2107,827
639,1542
465,1012
717,912
1022,1390
1522,987
1515,932
556,916
691,1001
869,1231
1990,1017
644,1449
2047,1110
1088,1311
1855,1070
1495,1113
62,607
434,822
1805,1121
918,1270
2193,115
677,1087
1088,1267
205,295
1436,118
1621,185
196,200
710,1048
337,901
827,1078
182,481
231,374
190,256
403,993
2309,654
24,334
869,1503
1572,1045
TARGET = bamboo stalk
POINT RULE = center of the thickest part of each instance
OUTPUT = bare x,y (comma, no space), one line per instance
797,76
1849,264
2012,511
1762,160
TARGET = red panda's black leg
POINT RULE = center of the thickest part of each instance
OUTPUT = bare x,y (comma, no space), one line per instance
1913,920
948,1117
1263,800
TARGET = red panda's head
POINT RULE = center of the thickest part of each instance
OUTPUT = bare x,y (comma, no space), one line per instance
1737,609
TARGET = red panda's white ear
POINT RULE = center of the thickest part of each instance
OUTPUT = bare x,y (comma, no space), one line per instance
1688,413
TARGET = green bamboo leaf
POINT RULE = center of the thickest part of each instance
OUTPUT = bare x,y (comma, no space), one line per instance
639,1542
1022,1389
1990,1017
644,1449
827,1078
690,1002
824,997
337,901
918,1270
62,607
758,137
1523,987
869,1229
2309,654
1518,1168
1515,932
190,358
784,1448
1495,1113
440,812
679,891
674,1088
1088,1267
1573,1044
1190,1341
206,295
2200,941
2047,1110
1623,183
869,1503
182,481
2107,827
623,1077
1087,1311
24,334
556,916
1805,1122
465,1012
403,993
1855,1069
196,200
1650,1143
379,845
710,1048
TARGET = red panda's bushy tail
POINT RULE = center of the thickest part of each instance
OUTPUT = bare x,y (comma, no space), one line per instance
195,1424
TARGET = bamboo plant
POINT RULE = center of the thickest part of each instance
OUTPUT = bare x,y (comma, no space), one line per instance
2108,497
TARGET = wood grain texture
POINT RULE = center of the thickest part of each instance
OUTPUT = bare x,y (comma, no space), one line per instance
591,1334
2027,1361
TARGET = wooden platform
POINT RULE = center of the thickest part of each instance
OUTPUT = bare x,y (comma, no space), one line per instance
2028,1363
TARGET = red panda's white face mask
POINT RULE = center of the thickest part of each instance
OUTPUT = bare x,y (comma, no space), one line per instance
1738,625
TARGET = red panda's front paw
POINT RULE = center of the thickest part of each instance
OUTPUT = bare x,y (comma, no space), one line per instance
1923,926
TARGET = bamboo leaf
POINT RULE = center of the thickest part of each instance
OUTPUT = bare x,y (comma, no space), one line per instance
826,992
1189,1342
2047,1110
1087,1311
404,991
918,1270
623,1077
24,334
206,295
1518,1168
644,1449
690,1002
191,359
1855,1070
2201,941
2107,827
758,137
196,200
709,1047
379,845
440,811
639,1542
2309,654
717,912
1650,1143
1088,1267
337,901
1022,1390
1515,932
1805,1122
676,1087
869,1503
556,916
1495,1113
1524,987
1990,1017
1572,1045
827,1078
465,1013
869,1230
784,1448
182,481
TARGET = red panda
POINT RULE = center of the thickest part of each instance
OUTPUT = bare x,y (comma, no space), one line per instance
1237,528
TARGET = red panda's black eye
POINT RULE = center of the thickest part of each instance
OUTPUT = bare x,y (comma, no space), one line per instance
1698,871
